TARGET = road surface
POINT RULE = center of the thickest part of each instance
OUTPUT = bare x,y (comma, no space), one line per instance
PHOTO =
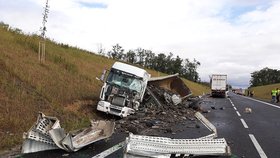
250,135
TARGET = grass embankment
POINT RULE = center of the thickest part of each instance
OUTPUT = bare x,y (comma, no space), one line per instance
264,92
64,86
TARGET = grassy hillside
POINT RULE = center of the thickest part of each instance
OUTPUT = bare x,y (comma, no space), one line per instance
64,86
264,92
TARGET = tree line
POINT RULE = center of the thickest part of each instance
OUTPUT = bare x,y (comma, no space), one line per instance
265,76
161,62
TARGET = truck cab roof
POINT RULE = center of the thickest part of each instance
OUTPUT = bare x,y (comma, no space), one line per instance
131,69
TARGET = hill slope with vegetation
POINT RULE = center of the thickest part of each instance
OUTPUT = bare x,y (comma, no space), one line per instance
264,92
63,86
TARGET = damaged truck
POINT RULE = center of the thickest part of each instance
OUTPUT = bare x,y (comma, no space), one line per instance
125,87
123,90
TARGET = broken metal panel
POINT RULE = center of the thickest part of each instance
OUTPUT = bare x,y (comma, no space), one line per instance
110,150
139,146
30,146
162,146
154,97
46,134
37,138
207,124
172,83
45,123
57,135
98,130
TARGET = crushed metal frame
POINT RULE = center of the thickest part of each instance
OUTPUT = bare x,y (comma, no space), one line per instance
149,146
47,134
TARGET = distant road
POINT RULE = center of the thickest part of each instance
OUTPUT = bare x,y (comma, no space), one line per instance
250,135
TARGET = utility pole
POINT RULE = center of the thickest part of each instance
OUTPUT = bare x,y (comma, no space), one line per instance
43,29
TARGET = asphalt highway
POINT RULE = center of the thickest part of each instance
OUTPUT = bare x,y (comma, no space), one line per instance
253,133
249,135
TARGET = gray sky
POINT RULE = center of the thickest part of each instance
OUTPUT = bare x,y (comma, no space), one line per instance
234,37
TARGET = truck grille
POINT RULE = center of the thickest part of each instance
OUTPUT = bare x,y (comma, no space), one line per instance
119,101
117,111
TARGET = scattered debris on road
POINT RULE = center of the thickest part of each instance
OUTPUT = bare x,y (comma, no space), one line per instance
47,134
248,110
142,145
149,146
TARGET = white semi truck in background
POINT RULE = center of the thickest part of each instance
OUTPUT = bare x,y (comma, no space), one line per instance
123,90
218,84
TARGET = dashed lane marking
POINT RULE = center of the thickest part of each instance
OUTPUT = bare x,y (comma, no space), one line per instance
238,113
244,123
257,146
231,103
235,108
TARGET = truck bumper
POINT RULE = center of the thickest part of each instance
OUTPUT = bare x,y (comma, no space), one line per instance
113,109
219,93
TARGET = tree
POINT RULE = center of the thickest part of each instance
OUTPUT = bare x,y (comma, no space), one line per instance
265,76
131,57
149,58
169,63
117,52
177,65
189,70
160,62
141,56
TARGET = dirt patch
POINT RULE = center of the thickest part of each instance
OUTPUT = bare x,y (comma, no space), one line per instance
85,107
13,152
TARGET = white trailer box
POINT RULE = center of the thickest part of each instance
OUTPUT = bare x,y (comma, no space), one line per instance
219,85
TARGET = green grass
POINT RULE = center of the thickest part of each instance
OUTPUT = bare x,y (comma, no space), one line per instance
264,92
64,86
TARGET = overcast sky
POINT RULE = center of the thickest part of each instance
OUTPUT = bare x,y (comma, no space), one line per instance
234,37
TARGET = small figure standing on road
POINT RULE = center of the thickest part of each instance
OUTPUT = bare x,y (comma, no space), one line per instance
251,93
273,95
278,95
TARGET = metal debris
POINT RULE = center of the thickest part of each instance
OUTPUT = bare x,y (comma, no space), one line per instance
141,145
208,125
47,134
138,145
172,83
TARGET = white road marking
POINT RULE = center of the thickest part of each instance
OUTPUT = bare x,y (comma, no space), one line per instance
263,102
110,150
257,146
244,123
238,113
235,108
231,103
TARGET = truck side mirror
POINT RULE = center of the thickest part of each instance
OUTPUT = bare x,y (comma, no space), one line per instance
102,78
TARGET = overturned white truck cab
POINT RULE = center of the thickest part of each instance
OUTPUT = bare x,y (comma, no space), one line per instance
123,90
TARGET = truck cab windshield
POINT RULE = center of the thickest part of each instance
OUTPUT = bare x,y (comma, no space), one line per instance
126,80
